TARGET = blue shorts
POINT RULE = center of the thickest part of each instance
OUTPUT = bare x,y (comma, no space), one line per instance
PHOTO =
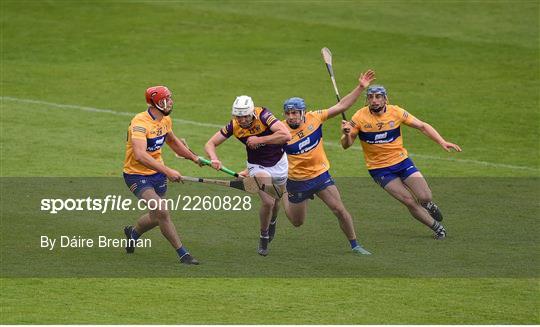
302,190
383,176
137,183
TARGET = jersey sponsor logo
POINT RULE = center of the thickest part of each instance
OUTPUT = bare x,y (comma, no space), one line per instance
258,146
305,144
380,137
155,144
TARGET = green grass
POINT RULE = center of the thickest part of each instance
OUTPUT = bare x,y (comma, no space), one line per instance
469,69
272,300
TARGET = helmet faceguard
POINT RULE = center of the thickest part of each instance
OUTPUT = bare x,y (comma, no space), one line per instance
160,98
376,92
291,105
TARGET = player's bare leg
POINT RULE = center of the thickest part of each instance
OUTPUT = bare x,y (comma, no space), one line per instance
133,233
331,197
399,190
265,213
296,212
273,221
419,187
162,217
145,223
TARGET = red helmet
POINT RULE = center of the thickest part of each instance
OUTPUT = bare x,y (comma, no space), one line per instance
159,97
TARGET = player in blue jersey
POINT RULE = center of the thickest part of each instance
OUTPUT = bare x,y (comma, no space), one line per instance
146,174
308,164
378,126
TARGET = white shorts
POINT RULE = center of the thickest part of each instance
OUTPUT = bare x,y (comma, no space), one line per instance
279,171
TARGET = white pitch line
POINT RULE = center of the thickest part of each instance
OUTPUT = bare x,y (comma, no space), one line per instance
190,122
102,111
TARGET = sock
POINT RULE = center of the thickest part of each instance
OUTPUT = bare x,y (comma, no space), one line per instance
273,220
353,243
264,233
428,205
134,235
436,226
182,251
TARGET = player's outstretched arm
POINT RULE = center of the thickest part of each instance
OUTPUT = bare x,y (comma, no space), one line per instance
210,149
349,134
139,151
347,101
180,148
432,133
281,135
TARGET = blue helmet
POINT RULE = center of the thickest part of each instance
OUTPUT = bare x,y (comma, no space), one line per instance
294,104
376,89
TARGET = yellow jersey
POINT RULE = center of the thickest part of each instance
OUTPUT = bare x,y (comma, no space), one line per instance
380,136
305,150
144,127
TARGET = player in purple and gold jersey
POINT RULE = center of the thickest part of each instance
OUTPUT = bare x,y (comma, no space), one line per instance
264,136
308,165
378,126
145,173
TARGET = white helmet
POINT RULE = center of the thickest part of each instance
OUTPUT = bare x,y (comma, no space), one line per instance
243,106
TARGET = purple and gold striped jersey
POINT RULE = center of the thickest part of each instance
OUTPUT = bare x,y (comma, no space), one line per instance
266,155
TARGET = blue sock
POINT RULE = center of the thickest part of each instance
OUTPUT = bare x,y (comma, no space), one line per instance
264,233
134,235
353,243
182,251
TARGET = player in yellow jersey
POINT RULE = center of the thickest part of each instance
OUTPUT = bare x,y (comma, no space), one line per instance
145,173
378,126
308,165
264,136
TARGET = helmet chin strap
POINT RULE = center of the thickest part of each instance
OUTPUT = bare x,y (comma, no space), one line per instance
161,109
165,113
293,126
379,109
302,119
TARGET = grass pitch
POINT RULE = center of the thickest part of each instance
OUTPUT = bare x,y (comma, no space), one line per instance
73,73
